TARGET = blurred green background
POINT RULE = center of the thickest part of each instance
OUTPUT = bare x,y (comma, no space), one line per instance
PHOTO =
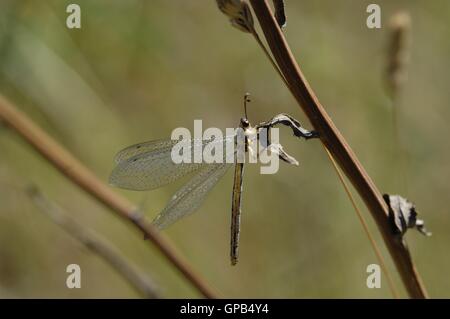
138,69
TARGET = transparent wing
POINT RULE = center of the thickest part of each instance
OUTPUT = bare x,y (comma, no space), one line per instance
142,148
149,165
189,197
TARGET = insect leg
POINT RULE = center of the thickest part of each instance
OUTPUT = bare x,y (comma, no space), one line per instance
288,120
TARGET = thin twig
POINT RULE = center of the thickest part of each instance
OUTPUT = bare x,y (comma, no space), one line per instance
266,52
77,173
97,244
336,144
395,78
365,227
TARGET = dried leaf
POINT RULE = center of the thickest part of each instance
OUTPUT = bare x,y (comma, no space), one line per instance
239,13
403,215
280,15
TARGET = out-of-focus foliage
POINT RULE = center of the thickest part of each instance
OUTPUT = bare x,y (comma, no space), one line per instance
138,69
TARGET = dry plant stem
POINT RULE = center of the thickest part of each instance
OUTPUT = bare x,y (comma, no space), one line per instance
336,144
365,226
98,245
87,181
263,47
396,76
400,154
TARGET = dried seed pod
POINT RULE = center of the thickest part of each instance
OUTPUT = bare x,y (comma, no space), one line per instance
403,215
398,51
239,13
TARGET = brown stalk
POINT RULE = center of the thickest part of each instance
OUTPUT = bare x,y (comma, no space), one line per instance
80,175
96,244
336,144
396,75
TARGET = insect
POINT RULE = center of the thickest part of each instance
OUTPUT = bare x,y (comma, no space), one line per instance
149,165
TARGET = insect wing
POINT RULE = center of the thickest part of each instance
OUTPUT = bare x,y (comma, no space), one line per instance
142,148
189,197
149,165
